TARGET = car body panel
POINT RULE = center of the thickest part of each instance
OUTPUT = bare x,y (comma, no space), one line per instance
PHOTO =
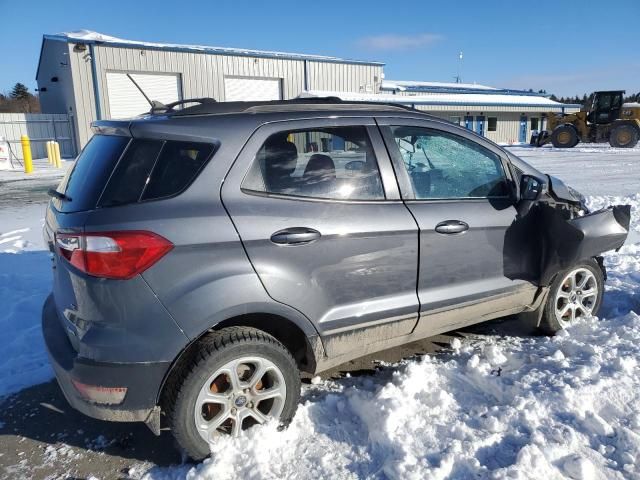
362,270
458,269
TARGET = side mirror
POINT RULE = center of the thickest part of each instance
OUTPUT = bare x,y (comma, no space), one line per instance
532,188
406,145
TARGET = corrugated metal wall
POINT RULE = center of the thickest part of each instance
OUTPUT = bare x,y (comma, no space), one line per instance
84,100
203,75
341,77
507,126
40,127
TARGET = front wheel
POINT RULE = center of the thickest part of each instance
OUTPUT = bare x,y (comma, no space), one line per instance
624,136
575,293
241,377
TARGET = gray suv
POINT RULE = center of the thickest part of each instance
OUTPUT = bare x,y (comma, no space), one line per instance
204,255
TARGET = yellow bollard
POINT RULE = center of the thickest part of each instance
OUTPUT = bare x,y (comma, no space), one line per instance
49,152
56,151
26,154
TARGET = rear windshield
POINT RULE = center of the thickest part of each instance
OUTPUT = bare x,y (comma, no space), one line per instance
85,181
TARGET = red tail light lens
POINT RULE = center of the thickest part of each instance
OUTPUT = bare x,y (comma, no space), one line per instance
117,255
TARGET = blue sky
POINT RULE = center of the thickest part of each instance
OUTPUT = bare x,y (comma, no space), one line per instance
566,47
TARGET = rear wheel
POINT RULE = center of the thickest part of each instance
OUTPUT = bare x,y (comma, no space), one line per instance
241,377
575,293
564,136
624,136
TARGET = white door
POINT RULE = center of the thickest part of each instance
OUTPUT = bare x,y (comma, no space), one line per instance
252,89
125,100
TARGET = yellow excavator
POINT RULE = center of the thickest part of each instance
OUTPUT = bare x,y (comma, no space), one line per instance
606,118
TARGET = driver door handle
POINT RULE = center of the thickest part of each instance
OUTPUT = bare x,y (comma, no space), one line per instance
449,227
295,236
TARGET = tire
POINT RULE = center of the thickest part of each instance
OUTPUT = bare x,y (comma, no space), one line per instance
212,366
562,294
624,136
564,136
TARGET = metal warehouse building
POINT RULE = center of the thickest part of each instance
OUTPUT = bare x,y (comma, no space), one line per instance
88,76
503,115
84,74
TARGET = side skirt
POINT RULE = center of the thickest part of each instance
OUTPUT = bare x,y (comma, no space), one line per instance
347,346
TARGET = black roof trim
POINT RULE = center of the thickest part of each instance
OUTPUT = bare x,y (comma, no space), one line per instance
296,104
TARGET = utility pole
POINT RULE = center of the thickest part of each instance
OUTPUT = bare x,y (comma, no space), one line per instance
458,77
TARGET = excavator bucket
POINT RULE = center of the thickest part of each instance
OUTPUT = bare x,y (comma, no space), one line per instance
539,138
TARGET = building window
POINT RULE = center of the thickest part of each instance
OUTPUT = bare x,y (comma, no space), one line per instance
492,124
535,123
455,120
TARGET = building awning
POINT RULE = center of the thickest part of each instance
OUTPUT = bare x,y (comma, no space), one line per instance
461,101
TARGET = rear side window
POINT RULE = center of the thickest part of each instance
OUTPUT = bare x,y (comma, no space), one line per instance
176,168
154,169
85,181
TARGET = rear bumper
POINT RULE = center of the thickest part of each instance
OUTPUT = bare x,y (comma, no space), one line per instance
142,380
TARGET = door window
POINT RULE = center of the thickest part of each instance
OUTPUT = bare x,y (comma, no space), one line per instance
446,166
535,123
332,163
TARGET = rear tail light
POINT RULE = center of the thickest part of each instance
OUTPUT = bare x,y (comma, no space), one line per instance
116,255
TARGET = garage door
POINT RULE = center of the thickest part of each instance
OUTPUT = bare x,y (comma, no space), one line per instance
125,100
236,88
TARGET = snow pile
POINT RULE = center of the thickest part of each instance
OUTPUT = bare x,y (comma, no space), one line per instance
535,407
504,408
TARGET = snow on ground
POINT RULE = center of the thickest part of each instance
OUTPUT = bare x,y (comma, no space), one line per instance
25,282
595,169
494,407
41,169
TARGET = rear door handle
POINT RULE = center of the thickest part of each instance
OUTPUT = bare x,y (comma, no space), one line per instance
295,236
449,227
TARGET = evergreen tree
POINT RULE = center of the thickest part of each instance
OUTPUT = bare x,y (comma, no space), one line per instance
20,92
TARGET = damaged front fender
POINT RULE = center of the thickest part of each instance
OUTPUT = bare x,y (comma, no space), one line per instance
544,241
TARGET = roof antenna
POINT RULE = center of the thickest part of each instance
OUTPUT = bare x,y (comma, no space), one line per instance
155,105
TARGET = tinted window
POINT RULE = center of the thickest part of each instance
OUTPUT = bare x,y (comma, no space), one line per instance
132,173
85,181
177,166
335,163
442,165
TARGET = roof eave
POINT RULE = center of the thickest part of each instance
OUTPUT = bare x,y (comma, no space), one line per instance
212,51
489,104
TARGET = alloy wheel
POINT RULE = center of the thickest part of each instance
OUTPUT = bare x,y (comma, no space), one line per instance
576,297
240,394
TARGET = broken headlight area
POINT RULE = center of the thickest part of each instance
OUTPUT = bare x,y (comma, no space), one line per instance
566,198
549,239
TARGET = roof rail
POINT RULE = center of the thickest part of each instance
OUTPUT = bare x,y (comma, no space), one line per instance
211,107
